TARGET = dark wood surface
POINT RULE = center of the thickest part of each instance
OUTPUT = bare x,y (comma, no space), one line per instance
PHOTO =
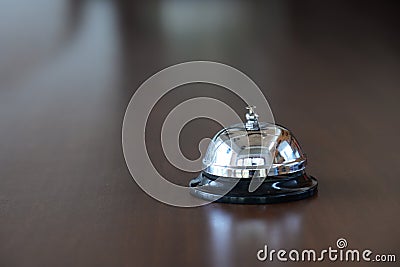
330,70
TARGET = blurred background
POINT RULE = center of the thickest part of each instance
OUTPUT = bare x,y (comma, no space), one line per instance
329,69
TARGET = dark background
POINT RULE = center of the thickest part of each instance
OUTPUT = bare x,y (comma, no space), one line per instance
330,70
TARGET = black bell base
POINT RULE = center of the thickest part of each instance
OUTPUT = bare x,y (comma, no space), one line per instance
273,189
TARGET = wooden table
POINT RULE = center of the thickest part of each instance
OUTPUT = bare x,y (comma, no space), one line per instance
330,71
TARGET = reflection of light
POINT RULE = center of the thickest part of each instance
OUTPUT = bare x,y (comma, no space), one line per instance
252,228
228,230
271,145
276,186
293,223
221,225
251,162
183,17
286,151
221,158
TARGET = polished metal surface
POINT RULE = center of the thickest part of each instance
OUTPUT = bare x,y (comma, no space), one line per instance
252,119
253,149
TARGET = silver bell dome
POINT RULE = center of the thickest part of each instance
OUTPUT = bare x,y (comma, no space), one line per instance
254,163
253,149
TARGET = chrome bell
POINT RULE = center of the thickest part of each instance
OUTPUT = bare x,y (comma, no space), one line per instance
254,162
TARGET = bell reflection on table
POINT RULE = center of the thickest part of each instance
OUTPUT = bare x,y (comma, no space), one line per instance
232,229
254,162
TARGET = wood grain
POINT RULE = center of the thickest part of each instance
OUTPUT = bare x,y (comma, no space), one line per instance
330,71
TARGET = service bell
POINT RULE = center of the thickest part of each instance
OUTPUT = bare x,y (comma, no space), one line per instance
254,162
